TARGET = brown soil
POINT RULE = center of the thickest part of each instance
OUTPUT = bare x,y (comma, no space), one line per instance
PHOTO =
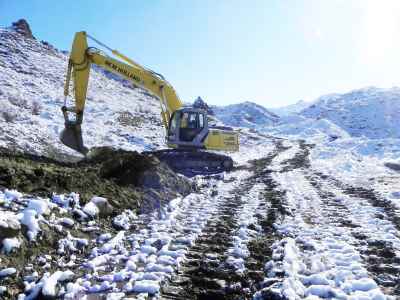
125,178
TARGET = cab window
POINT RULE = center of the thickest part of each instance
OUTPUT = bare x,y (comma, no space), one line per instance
192,120
201,120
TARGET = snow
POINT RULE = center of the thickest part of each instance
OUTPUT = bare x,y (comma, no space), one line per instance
91,209
66,201
38,205
124,220
29,219
71,244
329,264
11,195
239,251
369,112
363,284
246,114
6,217
115,296
7,272
9,244
291,109
148,249
312,130
146,286
49,285
67,222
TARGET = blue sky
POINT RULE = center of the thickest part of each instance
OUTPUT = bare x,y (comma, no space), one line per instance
272,52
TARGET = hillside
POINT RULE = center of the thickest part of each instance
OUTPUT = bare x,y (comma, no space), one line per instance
31,92
370,112
246,114
290,109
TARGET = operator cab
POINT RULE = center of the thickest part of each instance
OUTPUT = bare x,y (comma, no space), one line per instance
188,127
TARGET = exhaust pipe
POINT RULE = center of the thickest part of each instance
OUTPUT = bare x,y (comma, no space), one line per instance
71,136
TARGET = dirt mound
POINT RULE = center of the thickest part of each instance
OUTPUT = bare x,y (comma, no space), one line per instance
127,179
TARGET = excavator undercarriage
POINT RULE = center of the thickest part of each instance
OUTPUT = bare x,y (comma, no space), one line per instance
194,162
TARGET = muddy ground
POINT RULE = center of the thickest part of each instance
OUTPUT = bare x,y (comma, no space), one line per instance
127,179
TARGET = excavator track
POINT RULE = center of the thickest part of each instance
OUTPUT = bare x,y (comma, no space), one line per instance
194,162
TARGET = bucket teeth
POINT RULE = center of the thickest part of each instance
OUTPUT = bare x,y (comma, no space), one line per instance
71,137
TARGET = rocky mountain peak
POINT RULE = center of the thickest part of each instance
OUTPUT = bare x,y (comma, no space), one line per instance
200,103
22,27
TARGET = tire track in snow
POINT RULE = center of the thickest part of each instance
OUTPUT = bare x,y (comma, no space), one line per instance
220,267
205,273
381,251
321,255
391,211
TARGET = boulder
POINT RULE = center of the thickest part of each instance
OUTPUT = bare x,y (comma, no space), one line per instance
103,206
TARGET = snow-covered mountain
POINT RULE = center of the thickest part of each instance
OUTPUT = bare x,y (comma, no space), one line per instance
246,114
290,109
370,112
32,75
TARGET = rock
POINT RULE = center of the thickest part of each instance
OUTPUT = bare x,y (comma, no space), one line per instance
67,222
158,245
201,104
7,272
10,244
273,292
123,221
9,225
22,27
393,166
104,207
214,193
91,209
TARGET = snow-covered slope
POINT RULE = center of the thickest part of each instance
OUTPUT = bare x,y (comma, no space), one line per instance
246,114
306,128
290,109
31,95
370,112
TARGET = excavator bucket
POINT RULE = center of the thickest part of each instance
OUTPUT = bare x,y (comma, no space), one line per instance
71,137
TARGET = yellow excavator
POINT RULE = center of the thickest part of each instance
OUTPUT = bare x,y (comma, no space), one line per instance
188,133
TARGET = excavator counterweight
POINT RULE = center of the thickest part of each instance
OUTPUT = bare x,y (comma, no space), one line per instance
187,128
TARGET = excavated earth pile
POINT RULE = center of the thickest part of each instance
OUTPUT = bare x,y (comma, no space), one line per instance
128,180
